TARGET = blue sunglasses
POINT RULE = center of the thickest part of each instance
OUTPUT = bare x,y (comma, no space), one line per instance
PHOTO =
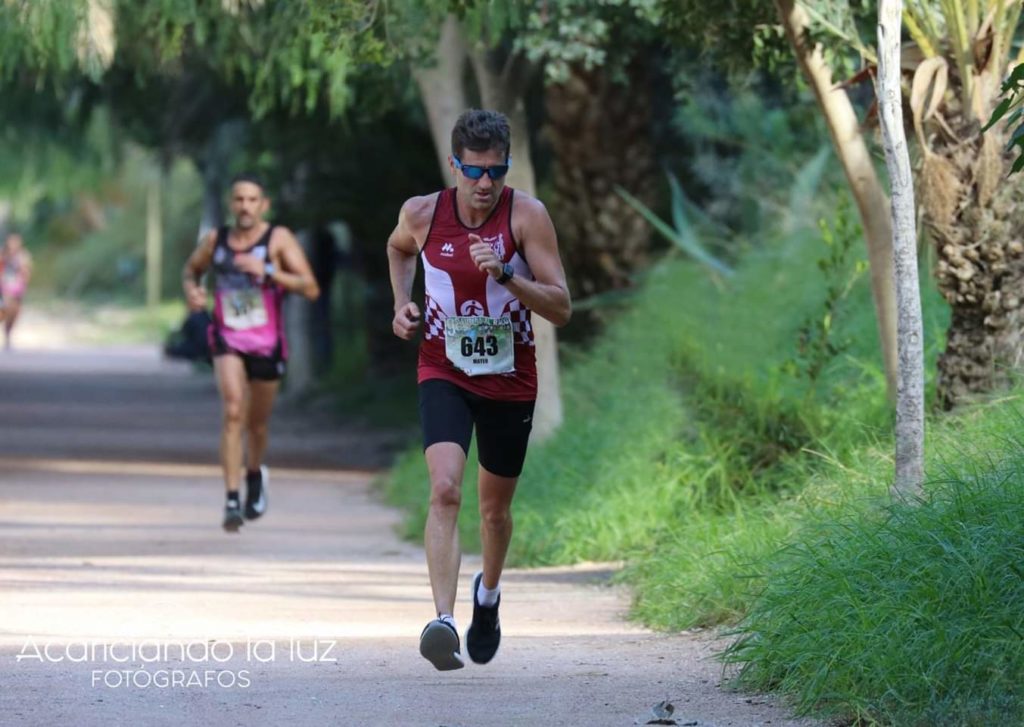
471,171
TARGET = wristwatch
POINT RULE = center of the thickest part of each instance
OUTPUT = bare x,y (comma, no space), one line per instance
269,270
507,273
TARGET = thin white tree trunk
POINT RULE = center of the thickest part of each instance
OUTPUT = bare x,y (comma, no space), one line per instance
154,240
910,389
500,90
853,153
441,89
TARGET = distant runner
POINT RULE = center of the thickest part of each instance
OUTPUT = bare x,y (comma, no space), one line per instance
15,274
254,265
490,258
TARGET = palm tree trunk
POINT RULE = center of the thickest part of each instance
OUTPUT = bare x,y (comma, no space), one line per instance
599,130
978,236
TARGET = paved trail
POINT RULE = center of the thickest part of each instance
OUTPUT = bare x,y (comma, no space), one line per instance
129,606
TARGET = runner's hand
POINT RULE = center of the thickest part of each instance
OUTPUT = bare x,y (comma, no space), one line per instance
484,257
407,320
195,299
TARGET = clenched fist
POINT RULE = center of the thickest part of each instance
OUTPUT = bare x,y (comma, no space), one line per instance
406,321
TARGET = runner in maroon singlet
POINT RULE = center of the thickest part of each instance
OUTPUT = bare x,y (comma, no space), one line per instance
490,260
254,265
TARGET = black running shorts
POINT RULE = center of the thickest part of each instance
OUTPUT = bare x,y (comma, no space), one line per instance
448,413
258,368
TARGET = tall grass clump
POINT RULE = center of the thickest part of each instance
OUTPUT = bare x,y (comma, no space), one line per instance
904,613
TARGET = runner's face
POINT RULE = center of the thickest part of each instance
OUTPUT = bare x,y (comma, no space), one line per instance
247,205
14,243
479,194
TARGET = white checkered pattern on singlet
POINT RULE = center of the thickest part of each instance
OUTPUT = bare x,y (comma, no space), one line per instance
433,319
521,327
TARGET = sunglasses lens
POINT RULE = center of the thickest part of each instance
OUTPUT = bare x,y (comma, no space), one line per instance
497,172
472,172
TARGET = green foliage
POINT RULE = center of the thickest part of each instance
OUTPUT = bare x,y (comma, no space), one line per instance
111,261
905,614
756,153
588,34
725,31
817,344
684,234
1013,94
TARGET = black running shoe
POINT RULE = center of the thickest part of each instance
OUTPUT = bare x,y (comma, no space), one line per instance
256,492
233,516
439,644
484,633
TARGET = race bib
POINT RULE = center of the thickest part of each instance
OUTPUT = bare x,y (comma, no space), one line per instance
243,309
479,345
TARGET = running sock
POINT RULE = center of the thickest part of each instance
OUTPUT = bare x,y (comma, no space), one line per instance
448,619
233,497
252,475
487,596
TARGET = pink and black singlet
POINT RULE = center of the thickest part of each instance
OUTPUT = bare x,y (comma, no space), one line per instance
476,334
12,277
246,313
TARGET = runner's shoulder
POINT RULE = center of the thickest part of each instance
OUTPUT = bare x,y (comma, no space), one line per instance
527,206
418,211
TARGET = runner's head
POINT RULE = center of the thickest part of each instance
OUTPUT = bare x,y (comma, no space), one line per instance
249,202
14,242
480,156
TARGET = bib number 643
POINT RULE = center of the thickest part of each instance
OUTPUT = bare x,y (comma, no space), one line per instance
482,346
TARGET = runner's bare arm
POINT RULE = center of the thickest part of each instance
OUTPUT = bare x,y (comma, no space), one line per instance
291,268
195,266
403,247
547,294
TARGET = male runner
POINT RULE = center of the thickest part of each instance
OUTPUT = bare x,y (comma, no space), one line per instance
254,265
490,259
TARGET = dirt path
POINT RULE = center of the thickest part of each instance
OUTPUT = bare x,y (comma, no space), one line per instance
124,603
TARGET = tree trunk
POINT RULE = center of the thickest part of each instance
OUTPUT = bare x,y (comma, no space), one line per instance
154,239
860,174
974,218
599,130
502,80
910,391
441,89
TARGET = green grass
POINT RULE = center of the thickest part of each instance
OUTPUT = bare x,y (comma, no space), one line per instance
905,614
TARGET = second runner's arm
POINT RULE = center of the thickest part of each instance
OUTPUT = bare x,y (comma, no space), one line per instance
402,252
294,274
195,266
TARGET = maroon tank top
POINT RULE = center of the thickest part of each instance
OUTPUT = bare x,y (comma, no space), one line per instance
455,287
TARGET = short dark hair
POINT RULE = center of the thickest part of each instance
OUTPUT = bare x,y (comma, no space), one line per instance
251,178
481,130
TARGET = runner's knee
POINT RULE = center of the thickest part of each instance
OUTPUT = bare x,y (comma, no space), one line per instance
233,410
495,517
445,492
